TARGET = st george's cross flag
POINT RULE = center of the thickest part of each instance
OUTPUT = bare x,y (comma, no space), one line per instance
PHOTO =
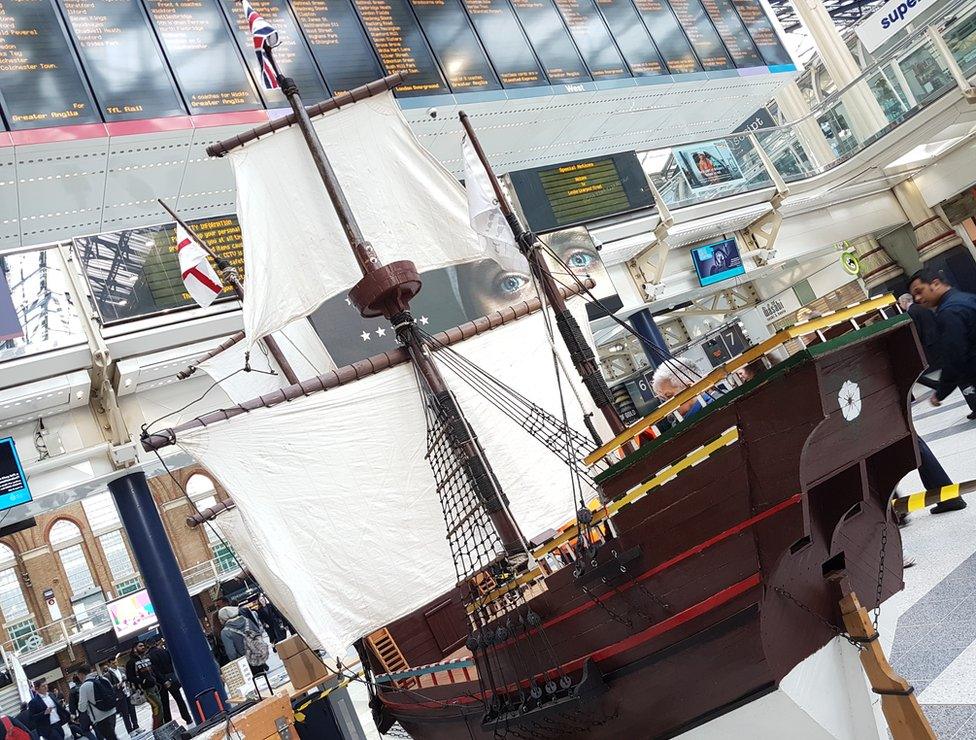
264,37
486,217
199,277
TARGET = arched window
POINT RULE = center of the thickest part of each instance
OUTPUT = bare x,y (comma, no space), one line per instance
87,599
203,493
17,618
103,518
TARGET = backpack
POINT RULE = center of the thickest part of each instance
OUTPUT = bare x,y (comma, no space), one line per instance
13,733
255,648
104,694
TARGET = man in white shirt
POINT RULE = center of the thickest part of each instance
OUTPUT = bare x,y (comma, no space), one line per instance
47,713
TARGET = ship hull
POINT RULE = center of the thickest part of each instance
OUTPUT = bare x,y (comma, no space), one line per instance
728,590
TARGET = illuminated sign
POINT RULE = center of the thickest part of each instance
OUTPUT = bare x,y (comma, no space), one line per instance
13,482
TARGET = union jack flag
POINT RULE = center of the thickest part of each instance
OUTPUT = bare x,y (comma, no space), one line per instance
265,38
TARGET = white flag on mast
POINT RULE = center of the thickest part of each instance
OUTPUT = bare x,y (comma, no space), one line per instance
199,277
487,220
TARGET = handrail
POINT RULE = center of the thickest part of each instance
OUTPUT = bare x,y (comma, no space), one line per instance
723,371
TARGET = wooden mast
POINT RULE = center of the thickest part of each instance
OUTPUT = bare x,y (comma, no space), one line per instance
579,350
386,290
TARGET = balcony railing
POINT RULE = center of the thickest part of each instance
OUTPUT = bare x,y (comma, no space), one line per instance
31,643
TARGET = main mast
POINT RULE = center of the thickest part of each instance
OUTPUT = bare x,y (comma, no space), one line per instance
386,290
580,351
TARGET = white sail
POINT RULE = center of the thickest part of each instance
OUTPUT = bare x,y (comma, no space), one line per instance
336,489
301,347
296,252
250,550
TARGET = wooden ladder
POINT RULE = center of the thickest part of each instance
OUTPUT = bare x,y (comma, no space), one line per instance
386,651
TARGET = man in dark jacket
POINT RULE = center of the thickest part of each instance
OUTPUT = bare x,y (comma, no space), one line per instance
955,314
48,714
162,663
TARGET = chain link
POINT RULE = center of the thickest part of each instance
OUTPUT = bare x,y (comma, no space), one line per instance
881,562
624,620
826,623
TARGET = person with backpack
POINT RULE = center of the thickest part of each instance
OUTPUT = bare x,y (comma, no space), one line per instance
170,685
96,701
242,638
141,675
12,728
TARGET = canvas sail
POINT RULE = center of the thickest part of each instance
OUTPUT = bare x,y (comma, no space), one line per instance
301,347
335,488
296,252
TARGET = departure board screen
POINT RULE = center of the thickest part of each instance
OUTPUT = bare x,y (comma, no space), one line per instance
40,79
733,33
702,34
667,34
396,35
292,55
559,196
762,32
124,64
551,41
632,37
208,66
338,43
453,42
505,42
136,273
593,39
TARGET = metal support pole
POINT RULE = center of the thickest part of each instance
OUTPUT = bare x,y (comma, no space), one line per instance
782,189
940,45
229,273
178,621
651,339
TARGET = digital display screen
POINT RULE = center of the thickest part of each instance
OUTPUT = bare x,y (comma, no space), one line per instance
454,44
208,66
702,34
132,614
338,43
124,63
762,32
733,33
136,273
578,192
632,37
668,36
551,41
505,42
717,262
292,54
592,38
13,482
41,83
397,38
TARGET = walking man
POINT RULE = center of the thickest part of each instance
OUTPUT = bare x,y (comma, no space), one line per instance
96,700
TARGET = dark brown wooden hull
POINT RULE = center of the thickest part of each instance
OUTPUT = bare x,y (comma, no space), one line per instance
729,592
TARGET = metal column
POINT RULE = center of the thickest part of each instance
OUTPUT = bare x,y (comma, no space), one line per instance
178,621
655,348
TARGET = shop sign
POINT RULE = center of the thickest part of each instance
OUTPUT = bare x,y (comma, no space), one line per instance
889,19
779,306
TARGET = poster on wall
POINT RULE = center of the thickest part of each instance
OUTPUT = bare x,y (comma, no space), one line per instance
708,164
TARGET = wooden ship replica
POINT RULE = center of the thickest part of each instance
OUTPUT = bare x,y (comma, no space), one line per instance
692,573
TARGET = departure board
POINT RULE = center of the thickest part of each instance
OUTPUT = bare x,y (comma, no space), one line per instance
396,35
124,64
762,32
668,36
551,41
338,43
733,33
209,68
632,38
455,45
40,79
505,42
592,38
559,196
702,34
292,54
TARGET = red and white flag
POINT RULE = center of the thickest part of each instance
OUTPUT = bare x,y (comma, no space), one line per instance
199,277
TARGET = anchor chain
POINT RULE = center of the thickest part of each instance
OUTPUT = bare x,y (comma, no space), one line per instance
881,562
826,623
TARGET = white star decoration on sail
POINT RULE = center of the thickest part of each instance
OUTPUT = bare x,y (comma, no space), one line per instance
850,400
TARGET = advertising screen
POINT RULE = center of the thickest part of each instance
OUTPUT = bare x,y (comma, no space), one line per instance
13,482
717,262
132,614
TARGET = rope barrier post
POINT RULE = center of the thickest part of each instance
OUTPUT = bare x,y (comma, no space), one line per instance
898,701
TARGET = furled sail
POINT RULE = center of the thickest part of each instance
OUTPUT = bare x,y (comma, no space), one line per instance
301,347
295,249
336,490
